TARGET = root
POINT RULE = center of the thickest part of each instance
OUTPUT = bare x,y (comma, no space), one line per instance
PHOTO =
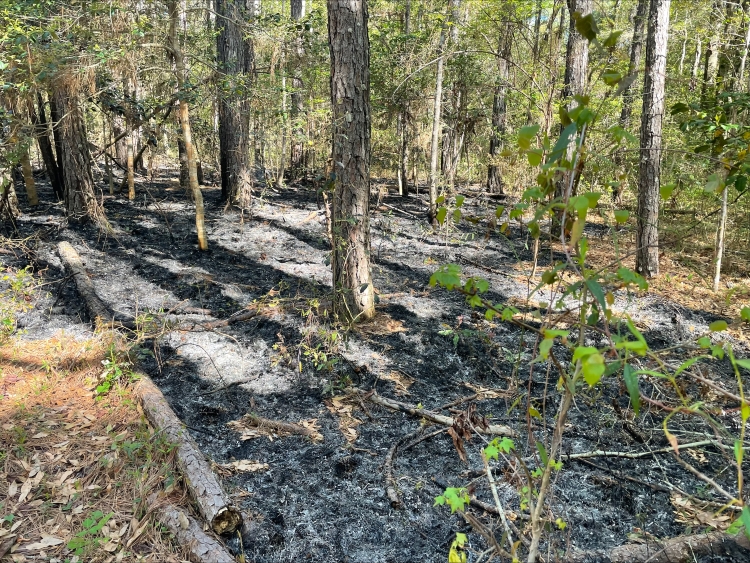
390,483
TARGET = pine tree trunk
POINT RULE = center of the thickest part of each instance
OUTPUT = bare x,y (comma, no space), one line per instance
80,200
184,115
350,101
28,179
55,118
41,132
495,182
628,93
649,170
235,59
8,199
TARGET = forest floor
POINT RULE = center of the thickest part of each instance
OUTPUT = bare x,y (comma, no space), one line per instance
325,499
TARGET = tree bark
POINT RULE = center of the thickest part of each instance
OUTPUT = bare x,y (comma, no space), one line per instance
350,101
495,181
175,50
8,199
80,200
437,112
28,179
649,170
297,160
42,134
711,63
628,93
56,117
696,65
235,58
720,232
214,504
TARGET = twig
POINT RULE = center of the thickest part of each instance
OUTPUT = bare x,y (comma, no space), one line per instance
423,438
399,210
290,427
621,475
636,455
429,415
705,478
500,510
390,482
459,401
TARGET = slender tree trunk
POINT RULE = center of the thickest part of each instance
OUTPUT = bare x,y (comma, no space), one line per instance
41,132
403,146
55,117
696,66
711,64
574,84
495,182
235,58
130,166
28,179
741,86
80,200
437,117
350,101
649,170
297,160
628,93
106,139
720,234
184,115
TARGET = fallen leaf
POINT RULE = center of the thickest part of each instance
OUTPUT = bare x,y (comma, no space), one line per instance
47,541
245,465
12,489
25,490
40,435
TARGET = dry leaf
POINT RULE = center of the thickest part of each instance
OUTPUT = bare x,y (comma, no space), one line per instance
12,489
401,381
47,541
245,465
25,490
40,435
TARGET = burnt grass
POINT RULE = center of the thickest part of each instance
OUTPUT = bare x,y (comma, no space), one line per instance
326,501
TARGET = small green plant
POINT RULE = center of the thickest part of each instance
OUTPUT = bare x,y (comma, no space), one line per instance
115,370
15,297
89,536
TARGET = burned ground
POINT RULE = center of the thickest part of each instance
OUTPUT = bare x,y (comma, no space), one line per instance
326,500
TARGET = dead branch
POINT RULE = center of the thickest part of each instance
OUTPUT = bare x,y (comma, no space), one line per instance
212,501
188,532
288,427
636,455
674,550
390,483
429,415
236,318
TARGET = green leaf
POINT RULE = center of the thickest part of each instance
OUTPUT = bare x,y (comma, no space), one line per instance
586,25
679,107
545,346
593,368
491,451
506,444
526,135
535,156
499,211
738,452
456,215
542,453
666,190
745,314
745,517
576,232
621,216
704,342
718,326
631,382
743,364
583,351
612,38
460,200
714,183
442,212
611,77
561,146
745,411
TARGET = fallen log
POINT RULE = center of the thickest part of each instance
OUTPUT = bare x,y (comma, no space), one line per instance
673,550
189,533
204,486
429,415
95,306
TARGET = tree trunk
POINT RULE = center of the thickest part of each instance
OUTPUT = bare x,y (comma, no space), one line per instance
80,200
8,200
297,160
720,232
711,64
28,179
350,101
41,132
235,59
131,166
696,65
574,84
184,115
649,170
494,177
628,93
56,117
436,118
403,147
